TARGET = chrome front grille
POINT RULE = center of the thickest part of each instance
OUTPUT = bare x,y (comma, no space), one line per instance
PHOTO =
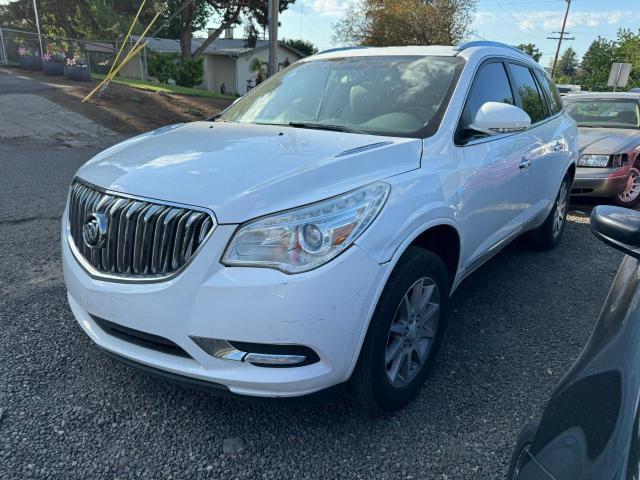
141,239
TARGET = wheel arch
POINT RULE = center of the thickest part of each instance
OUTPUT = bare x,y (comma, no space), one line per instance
572,171
444,241
430,234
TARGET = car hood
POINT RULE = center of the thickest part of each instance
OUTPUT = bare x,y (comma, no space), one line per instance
607,140
242,171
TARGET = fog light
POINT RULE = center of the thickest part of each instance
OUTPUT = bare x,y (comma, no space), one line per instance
260,355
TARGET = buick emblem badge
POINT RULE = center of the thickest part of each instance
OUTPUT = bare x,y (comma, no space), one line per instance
94,231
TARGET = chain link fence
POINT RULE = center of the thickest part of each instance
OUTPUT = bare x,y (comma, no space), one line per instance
18,46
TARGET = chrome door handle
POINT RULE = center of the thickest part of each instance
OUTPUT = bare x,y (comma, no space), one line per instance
525,163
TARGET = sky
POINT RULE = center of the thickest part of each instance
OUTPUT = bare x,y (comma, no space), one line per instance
512,22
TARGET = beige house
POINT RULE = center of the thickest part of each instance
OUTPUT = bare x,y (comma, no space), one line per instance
227,61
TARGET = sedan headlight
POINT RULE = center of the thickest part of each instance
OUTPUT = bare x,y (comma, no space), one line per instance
304,238
593,160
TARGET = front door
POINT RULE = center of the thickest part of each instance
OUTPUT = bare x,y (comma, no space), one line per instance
496,186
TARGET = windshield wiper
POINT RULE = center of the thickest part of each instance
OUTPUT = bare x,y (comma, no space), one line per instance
324,126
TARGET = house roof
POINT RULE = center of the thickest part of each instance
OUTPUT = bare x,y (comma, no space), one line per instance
99,47
220,46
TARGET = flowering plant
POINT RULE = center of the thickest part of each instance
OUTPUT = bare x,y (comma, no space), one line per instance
25,52
78,60
55,54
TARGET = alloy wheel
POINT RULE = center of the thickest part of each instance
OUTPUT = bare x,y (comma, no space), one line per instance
412,332
561,209
632,189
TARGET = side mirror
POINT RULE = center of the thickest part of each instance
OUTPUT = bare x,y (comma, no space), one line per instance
495,117
618,227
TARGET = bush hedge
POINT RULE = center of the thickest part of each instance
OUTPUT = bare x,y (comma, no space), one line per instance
186,73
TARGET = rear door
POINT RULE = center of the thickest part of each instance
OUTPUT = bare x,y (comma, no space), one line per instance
549,148
496,186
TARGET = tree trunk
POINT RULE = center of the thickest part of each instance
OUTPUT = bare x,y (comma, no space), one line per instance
186,16
231,19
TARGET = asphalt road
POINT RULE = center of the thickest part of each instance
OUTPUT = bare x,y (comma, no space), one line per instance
71,412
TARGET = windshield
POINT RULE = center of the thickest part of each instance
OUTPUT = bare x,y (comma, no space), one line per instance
396,96
611,113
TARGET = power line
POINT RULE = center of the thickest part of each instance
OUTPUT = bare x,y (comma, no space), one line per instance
477,36
507,22
518,22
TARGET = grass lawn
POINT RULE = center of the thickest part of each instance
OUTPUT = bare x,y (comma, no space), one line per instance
142,85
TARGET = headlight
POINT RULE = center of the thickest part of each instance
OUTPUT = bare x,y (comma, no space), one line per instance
592,160
304,238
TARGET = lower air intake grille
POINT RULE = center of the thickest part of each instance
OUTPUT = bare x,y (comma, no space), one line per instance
142,339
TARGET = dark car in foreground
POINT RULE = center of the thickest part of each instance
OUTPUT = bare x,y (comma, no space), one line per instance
590,428
609,142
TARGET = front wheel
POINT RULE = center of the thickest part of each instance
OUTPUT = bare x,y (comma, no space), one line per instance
404,334
631,195
548,235
520,453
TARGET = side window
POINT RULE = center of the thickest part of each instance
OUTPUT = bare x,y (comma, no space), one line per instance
552,90
532,101
490,85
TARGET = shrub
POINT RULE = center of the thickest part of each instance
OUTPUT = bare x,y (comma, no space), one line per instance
161,65
190,72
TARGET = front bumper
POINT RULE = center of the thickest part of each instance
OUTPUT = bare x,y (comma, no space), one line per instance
600,182
326,309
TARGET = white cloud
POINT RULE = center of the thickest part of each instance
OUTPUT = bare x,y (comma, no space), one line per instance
552,20
483,17
330,8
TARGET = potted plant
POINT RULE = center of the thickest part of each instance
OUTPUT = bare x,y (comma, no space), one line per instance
29,60
77,68
54,61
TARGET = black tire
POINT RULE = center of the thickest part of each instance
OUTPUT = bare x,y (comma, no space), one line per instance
625,199
370,384
547,236
525,439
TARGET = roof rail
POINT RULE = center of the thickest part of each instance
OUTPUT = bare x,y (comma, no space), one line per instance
340,49
486,43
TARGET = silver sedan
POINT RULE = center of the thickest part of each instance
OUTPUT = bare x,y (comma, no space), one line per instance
609,142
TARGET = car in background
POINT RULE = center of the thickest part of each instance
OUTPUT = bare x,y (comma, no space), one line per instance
609,140
567,89
590,428
635,90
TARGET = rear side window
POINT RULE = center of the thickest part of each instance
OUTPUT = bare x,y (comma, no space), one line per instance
532,101
490,85
552,90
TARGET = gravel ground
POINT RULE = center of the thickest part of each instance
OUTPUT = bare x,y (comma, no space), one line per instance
71,412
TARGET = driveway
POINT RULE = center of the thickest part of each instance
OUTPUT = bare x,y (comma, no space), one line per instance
70,412
27,116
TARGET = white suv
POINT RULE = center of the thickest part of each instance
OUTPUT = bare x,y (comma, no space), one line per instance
307,240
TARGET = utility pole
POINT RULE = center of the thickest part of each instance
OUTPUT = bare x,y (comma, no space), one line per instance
274,9
560,38
35,9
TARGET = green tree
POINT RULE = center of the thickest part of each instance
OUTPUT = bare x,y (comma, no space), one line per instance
531,50
404,22
567,66
628,51
81,19
596,64
226,14
305,47
201,13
